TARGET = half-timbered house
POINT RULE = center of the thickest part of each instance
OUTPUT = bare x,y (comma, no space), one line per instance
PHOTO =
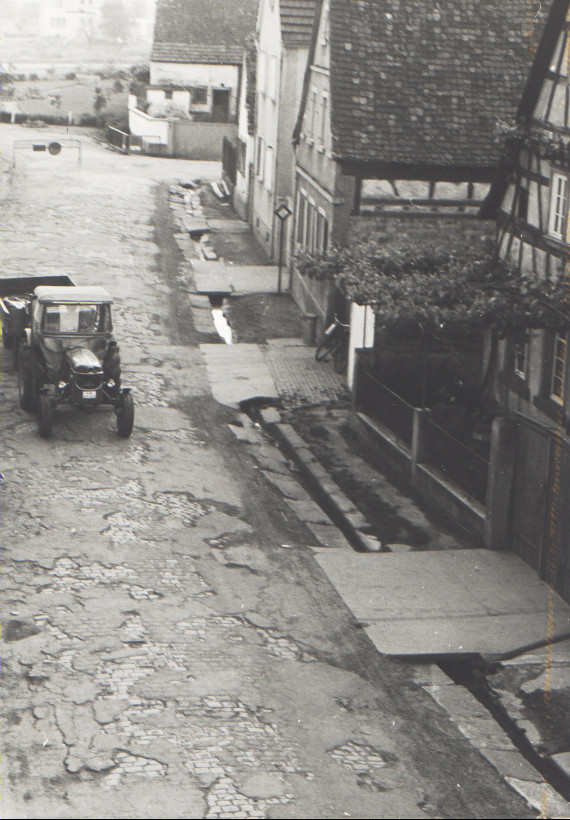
531,196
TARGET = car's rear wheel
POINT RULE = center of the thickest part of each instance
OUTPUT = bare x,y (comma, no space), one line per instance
45,417
26,378
125,415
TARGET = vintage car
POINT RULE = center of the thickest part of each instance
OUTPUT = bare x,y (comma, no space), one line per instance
66,353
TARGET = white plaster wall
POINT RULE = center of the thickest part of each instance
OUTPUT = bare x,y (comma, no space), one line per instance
241,189
362,324
269,51
141,125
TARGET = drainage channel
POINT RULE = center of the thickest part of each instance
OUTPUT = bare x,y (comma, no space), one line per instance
220,307
472,671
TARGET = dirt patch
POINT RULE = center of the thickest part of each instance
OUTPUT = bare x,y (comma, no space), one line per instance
548,713
238,247
259,317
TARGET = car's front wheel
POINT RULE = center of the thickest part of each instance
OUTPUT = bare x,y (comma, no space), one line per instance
44,415
125,415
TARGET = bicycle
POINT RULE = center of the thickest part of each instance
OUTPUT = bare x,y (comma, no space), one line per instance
334,344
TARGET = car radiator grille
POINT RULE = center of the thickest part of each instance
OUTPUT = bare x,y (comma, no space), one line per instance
88,381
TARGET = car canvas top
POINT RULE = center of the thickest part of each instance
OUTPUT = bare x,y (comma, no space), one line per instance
89,295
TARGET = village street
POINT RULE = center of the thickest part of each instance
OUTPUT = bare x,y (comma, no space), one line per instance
170,646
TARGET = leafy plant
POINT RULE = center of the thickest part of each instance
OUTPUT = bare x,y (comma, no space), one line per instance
440,287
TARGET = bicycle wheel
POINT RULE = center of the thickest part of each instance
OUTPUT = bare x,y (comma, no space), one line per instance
340,358
324,350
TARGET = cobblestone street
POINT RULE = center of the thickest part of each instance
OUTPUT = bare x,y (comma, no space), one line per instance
171,648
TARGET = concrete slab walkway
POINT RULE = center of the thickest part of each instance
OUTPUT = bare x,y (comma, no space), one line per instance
217,277
449,601
211,277
237,373
255,278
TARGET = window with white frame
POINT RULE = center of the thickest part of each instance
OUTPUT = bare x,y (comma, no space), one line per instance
313,114
272,78
558,206
260,79
301,208
269,168
324,115
260,157
520,358
322,232
558,369
312,230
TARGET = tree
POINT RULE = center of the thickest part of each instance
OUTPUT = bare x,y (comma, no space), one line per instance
117,19
139,78
100,101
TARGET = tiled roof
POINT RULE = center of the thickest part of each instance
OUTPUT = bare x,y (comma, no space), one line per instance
181,53
296,21
416,82
206,28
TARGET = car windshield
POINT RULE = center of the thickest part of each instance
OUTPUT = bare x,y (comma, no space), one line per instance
76,319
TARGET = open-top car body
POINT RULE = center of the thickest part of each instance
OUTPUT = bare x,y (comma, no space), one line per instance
66,354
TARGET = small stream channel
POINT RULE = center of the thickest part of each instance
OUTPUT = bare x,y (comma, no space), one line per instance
220,316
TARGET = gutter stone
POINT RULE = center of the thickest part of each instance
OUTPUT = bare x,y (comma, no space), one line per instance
335,503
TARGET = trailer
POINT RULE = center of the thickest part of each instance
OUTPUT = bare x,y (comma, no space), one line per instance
16,297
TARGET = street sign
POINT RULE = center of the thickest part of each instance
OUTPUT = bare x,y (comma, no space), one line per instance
282,213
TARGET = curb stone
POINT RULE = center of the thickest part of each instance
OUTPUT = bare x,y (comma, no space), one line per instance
483,732
335,503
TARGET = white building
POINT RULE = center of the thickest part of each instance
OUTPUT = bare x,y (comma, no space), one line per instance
195,75
283,35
